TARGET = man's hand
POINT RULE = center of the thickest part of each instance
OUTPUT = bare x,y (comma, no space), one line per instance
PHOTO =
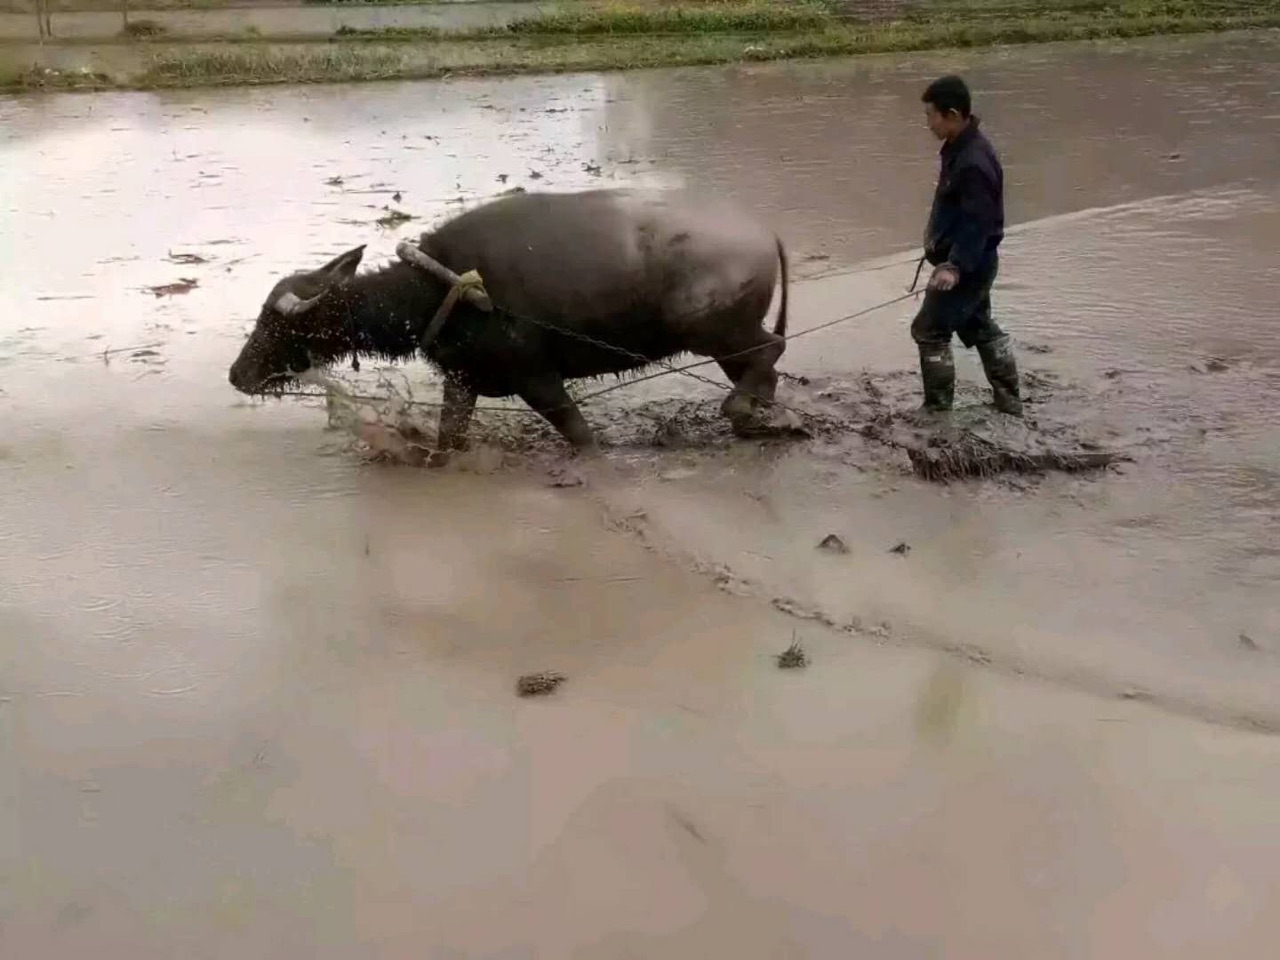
944,278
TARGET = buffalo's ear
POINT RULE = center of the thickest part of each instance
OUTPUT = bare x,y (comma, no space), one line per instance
342,267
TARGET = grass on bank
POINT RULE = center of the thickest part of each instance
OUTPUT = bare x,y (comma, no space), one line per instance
145,29
15,79
579,41
713,16
250,66
707,18
514,57
783,16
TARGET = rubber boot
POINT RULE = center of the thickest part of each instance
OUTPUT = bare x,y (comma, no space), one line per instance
938,375
1002,373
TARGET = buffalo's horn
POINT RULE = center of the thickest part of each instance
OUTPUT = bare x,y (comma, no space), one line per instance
290,304
411,254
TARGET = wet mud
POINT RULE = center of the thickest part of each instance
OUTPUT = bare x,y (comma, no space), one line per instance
260,672
390,426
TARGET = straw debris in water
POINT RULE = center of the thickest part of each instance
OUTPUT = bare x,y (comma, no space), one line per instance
794,657
969,455
539,684
832,543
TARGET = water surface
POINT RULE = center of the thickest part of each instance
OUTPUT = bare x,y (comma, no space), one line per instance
257,697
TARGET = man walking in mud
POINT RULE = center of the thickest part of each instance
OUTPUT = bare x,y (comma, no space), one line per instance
961,242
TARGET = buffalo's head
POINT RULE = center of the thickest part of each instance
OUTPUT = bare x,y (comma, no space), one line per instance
303,323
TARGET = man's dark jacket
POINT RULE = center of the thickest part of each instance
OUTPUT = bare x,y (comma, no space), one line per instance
966,223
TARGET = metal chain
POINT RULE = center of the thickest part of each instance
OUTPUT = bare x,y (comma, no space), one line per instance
794,336
623,351
686,370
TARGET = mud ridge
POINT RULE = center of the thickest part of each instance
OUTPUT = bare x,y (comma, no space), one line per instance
970,455
863,421
971,442
637,526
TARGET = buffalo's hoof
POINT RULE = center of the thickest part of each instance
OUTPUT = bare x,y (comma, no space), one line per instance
780,424
738,407
751,429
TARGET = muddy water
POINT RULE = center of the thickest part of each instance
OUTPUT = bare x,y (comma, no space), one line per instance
256,698
1139,269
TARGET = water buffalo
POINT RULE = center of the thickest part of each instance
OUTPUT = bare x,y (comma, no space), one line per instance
655,274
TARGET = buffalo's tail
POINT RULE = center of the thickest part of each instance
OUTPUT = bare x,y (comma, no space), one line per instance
780,325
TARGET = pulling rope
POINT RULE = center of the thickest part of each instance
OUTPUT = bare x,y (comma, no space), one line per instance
916,278
468,286
471,281
702,363
468,283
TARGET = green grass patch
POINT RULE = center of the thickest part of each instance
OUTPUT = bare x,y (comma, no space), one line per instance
942,18
631,20
1043,8
707,18
18,79
143,29
553,54
346,32
581,45
1005,11
253,66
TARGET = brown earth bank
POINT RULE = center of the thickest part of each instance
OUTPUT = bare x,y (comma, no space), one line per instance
311,44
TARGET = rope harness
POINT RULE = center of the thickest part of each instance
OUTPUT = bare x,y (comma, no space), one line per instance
466,282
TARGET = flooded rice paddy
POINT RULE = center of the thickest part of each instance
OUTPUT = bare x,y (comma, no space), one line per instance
257,695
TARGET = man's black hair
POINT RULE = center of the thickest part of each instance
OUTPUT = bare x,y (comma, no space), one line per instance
949,93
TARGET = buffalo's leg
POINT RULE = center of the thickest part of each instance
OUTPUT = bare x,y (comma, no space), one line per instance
737,406
733,368
549,398
755,379
455,413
